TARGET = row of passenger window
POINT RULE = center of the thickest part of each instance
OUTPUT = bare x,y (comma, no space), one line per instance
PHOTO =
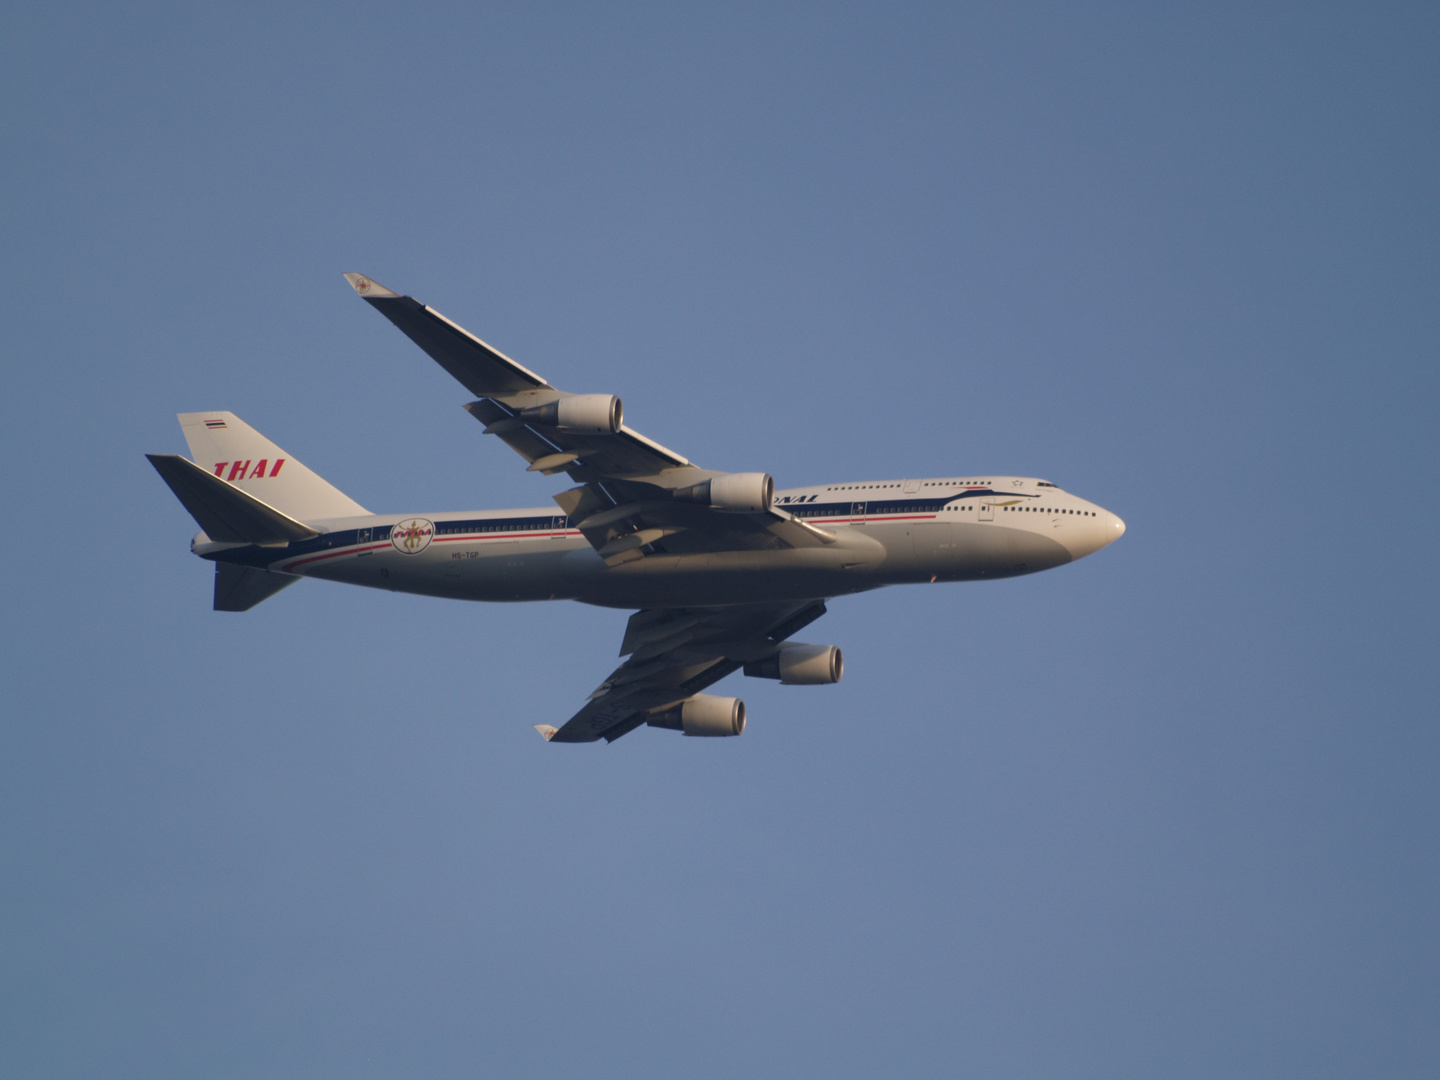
499,525
866,509
503,525
926,483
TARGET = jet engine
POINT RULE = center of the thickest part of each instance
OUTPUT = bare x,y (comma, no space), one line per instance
703,714
580,414
746,492
801,665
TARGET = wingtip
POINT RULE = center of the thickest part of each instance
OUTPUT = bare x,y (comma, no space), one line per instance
368,288
546,731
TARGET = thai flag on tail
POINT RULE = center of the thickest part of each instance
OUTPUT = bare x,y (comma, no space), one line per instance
213,424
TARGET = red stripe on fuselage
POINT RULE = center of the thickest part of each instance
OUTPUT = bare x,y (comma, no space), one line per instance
332,555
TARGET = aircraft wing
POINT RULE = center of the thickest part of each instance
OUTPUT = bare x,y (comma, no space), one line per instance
497,380
636,498
479,368
677,652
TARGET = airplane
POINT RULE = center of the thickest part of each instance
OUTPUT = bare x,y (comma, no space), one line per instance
722,568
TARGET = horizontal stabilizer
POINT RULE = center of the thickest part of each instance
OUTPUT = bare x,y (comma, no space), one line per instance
239,588
226,513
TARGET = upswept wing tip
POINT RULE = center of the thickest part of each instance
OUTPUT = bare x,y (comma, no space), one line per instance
546,731
371,290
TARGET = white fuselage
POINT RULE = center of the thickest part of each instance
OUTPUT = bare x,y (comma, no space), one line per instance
886,533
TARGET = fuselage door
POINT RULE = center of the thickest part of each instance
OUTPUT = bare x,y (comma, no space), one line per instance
987,511
911,486
857,511
557,527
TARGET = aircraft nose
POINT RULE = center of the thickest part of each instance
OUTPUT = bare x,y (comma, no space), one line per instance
1100,529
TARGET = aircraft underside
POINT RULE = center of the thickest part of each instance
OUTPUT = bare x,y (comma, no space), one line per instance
721,568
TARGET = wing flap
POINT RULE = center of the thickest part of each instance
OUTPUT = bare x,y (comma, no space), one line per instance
625,453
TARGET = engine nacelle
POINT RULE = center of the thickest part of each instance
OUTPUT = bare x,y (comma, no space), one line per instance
580,414
801,665
703,714
745,492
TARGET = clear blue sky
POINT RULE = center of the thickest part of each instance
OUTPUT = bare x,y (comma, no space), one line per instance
1170,811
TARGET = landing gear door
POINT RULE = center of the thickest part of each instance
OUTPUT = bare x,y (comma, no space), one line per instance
987,511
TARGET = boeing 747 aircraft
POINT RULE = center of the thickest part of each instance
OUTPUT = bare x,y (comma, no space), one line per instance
722,568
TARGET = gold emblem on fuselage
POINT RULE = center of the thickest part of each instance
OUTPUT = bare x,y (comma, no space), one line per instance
413,536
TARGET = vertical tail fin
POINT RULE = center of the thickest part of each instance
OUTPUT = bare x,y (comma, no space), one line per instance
222,443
